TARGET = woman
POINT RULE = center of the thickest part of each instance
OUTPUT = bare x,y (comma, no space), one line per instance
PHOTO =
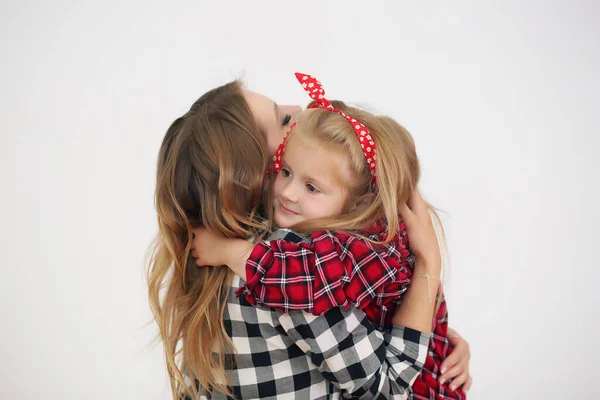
210,173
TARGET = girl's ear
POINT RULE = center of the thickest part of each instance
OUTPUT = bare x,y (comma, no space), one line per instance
363,202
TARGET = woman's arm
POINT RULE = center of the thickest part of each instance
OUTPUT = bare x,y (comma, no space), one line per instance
354,356
416,311
417,308
346,348
312,276
424,243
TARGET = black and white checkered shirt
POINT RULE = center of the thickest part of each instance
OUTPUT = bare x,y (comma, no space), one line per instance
302,356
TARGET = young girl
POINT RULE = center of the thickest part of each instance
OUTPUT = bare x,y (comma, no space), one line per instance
342,176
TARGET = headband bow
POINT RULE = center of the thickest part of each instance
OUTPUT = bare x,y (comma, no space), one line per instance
315,90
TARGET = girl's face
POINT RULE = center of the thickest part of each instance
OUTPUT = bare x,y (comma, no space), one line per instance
273,118
310,184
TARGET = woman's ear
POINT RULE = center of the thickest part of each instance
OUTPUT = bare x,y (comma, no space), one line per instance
363,202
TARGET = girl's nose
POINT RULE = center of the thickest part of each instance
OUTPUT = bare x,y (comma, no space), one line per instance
288,193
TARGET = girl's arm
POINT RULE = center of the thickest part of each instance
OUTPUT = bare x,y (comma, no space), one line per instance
334,269
211,249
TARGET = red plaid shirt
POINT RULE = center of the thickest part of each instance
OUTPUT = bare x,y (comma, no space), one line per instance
336,269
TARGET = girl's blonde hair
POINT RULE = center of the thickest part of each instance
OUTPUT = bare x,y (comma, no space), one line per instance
210,173
397,167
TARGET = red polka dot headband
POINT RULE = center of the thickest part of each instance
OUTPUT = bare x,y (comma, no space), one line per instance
315,91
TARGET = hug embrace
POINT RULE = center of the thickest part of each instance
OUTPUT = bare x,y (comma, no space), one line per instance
296,257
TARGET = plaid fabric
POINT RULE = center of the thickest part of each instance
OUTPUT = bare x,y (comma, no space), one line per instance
334,269
301,356
427,385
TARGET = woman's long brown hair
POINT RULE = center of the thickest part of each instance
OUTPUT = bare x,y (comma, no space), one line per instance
210,173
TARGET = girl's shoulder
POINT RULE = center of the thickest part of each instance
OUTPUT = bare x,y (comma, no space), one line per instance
376,233
379,231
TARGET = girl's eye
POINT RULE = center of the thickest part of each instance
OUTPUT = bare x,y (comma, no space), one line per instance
286,120
285,172
311,188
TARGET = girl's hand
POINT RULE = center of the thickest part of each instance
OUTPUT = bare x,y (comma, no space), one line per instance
456,365
421,234
209,248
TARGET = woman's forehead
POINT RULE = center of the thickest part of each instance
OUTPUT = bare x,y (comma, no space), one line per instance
262,107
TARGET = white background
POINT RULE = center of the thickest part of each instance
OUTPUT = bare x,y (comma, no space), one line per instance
502,100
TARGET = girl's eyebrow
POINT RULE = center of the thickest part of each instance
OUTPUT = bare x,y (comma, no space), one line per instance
323,184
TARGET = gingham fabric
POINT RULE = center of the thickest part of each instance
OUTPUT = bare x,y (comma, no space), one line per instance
335,269
302,356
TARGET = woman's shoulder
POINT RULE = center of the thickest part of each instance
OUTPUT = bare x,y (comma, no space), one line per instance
289,236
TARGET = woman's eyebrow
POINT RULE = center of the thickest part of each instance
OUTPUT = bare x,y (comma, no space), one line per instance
276,110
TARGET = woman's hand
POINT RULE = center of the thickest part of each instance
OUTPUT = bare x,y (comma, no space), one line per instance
417,309
424,244
456,365
421,234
